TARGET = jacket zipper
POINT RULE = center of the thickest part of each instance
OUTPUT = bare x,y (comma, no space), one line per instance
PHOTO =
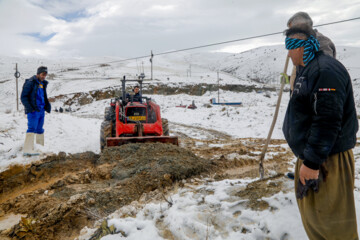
315,97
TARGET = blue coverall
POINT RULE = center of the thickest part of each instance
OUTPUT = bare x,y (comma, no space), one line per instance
36,118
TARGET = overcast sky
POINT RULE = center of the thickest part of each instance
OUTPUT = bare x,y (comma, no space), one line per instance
130,28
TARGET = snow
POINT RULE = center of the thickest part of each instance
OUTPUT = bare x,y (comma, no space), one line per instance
79,131
208,209
10,221
63,133
211,211
252,119
134,229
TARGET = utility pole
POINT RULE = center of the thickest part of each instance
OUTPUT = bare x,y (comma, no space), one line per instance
17,75
218,86
151,61
190,69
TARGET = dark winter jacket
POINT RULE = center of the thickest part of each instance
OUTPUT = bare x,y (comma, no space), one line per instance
321,116
136,98
29,95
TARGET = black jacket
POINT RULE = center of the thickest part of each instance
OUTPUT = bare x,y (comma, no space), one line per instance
136,97
321,117
28,95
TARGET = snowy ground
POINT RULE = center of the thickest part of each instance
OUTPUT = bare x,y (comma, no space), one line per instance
209,210
203,209
79,131
195,213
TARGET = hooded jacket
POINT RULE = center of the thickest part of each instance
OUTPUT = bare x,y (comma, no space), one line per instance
29,95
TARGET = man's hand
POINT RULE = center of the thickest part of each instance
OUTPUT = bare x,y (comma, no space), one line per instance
308,180
307,174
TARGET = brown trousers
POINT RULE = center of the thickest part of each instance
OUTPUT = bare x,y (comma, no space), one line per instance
330,213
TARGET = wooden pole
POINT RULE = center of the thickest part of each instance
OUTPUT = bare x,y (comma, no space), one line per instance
218,86
262,156
17,91
151,60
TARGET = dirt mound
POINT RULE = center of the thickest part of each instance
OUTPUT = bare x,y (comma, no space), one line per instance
62,194
156,160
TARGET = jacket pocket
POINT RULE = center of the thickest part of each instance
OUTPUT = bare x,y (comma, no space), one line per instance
327,102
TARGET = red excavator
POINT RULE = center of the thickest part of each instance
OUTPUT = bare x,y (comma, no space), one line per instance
129,121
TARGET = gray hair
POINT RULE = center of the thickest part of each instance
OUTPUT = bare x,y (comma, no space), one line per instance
300,18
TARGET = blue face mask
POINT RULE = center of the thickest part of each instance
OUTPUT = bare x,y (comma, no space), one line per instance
311,46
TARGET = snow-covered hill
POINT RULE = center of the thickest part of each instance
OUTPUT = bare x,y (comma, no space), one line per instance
258,67
264,64
78,131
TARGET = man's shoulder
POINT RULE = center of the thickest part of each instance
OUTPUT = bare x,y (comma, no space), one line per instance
31,79
329,66
328,63
322,63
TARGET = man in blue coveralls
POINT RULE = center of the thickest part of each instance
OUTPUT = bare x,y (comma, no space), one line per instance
35,101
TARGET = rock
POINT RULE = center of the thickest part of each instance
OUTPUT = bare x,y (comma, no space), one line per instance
62,155
167,177
91,201
58,184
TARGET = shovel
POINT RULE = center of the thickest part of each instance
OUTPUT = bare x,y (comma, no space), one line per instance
262,156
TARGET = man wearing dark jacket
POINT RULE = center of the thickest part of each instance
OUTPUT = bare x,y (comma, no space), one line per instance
320,127
137,95
35,101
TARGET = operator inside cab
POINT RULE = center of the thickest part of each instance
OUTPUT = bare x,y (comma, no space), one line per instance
136,96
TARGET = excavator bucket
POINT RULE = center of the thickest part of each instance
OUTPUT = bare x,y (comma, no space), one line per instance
118,141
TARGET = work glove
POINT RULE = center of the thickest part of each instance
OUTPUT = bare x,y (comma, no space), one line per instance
302,190
313,184
286,77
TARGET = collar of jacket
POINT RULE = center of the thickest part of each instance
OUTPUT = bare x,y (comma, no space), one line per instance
312,67
36,81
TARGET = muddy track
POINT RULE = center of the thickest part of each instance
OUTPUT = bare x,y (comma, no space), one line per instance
237,158
60,195
204,132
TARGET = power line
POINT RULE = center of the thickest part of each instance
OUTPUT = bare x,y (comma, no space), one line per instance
218,43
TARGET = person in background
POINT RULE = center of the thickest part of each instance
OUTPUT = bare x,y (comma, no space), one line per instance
302,19
35,101
137,95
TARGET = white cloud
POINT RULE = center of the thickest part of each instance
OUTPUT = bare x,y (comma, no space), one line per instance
156,10
131,28
105,9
